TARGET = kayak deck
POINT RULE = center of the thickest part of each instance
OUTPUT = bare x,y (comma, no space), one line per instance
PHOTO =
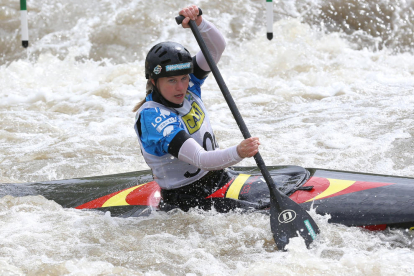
350,198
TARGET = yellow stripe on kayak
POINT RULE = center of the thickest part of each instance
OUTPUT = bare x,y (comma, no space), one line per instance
120,199
335,186
235,187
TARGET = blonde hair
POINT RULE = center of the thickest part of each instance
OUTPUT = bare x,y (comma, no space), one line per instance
149,88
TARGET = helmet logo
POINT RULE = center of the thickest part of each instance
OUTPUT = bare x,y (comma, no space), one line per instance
180,66
157,69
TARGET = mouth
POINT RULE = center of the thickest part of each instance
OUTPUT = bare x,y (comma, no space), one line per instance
179,96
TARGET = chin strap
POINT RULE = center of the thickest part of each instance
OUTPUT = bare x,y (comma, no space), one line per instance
159,98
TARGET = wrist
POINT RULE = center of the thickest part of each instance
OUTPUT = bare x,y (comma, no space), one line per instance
200,22
238,151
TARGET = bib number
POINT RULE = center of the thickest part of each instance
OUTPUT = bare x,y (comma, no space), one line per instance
212,139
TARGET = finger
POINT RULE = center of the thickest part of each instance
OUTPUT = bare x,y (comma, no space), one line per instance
185,21
251,154
254,147
253,144
194,13
197,10
194,8
247,142
185,12
190,12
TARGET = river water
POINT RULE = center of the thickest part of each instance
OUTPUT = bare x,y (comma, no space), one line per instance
333,89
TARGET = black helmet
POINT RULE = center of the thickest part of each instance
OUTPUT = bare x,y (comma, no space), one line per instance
168,59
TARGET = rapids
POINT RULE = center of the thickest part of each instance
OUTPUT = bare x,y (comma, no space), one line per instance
333,89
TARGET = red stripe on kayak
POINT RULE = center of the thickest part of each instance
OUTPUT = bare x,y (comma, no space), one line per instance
148,195
321,186
221,192
144,195
360,186
379,227
97,203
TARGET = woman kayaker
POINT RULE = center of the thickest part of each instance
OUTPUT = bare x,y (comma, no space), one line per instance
173,126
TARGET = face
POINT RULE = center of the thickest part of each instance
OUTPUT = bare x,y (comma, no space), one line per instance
173,89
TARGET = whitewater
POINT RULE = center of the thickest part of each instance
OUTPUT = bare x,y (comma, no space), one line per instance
333,89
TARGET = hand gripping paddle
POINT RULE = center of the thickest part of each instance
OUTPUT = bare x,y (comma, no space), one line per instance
287,218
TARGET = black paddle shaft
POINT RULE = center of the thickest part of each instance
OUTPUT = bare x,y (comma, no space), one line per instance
287,218
229,99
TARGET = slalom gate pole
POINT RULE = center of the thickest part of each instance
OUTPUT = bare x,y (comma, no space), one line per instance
269,18
24,25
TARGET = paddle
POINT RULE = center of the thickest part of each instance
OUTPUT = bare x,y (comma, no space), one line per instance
287,218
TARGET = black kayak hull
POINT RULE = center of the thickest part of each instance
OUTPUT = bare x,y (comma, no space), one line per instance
350,198
372,200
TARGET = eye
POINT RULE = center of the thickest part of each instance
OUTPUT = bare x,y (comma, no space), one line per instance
185,78
171,81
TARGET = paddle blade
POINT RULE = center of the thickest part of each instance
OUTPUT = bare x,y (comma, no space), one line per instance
288,220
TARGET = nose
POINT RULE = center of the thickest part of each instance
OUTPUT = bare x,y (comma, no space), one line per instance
180,85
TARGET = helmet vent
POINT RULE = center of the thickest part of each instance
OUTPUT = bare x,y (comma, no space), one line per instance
166,61
163,53
158,49
180,57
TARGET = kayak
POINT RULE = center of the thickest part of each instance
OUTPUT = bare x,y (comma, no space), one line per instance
371,201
